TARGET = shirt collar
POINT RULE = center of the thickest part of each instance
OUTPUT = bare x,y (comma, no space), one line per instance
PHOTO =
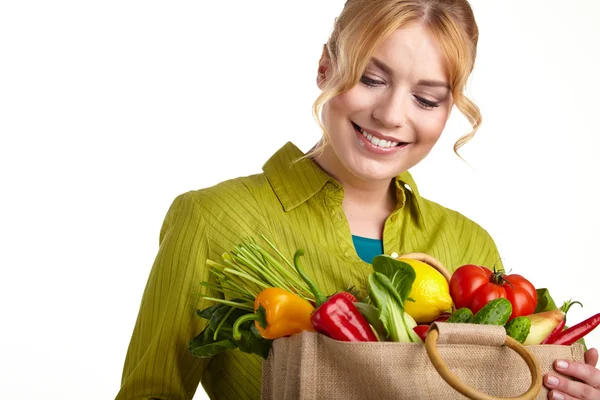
296,182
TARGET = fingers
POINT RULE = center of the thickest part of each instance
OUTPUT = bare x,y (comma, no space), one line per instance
563,388
591,357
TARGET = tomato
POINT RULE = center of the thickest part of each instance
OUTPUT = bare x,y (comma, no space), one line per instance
473,287
465,281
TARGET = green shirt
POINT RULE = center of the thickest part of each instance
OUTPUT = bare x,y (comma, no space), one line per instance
296,206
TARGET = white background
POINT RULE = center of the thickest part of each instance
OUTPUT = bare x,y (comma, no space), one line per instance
109,109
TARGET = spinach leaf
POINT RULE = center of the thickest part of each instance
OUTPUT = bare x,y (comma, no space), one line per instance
249,343
204,345
209,311
231,315
221,320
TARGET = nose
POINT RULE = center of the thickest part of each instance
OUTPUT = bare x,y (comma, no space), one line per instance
392,110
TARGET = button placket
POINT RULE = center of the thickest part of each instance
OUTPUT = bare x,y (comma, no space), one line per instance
333,199
391,239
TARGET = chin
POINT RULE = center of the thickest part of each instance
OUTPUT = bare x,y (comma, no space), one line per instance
371,170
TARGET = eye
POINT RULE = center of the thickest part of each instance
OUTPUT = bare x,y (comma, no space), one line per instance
371,82
426,104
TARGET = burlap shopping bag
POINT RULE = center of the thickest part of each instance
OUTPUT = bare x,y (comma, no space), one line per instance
311,366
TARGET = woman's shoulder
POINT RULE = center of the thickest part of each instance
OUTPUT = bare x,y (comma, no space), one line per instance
226,211
233,194
474,242
453,218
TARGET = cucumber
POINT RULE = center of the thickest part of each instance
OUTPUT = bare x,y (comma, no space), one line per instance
496,312
462,315
518,328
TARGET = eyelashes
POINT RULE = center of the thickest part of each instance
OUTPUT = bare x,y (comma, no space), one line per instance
371,82
424,103
427,103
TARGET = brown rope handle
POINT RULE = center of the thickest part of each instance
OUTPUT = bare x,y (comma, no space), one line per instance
432,261
472,393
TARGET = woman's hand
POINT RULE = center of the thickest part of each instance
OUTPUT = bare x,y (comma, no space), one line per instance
586,373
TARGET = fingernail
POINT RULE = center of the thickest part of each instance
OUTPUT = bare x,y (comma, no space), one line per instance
557,396
552,381
562,364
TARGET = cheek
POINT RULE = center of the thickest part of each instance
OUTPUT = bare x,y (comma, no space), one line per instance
350,102
429,125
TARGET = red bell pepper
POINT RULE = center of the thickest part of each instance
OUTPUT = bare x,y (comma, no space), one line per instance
336,316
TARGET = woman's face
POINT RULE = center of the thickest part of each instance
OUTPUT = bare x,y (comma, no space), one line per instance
391,119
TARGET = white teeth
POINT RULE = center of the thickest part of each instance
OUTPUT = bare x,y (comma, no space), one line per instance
378,142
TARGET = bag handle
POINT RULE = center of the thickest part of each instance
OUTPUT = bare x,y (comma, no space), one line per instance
470,392
432,261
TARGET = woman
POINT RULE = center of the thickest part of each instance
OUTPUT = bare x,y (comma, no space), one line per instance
390,74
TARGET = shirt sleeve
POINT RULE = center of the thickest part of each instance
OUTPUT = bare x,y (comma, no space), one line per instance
158,365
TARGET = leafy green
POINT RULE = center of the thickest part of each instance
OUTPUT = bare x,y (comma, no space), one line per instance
398,324
389,287
249,343
371,314
204,344
208,312
400,273
231,315
544,301
217,336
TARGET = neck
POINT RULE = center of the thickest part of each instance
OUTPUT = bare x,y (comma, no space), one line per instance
370,196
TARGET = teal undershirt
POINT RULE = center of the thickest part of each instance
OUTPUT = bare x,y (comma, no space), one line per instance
367,248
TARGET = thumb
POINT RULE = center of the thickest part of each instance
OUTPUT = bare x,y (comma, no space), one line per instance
591,357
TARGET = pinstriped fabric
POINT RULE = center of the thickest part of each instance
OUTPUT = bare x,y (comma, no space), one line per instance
297,206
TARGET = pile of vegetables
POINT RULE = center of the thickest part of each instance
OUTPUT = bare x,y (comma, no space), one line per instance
260,296
529,315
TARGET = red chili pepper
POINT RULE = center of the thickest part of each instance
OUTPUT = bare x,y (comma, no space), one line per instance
559,328
421,330
555,332
336,316
576,332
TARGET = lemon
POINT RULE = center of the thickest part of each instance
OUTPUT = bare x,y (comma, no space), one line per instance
430,293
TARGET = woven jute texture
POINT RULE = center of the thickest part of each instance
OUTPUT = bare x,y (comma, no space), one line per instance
311,366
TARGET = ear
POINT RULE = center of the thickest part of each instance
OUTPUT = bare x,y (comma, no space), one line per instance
324,64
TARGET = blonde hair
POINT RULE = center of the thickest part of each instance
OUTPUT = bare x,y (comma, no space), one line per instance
364,24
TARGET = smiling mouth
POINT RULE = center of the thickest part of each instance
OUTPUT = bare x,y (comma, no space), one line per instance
384,144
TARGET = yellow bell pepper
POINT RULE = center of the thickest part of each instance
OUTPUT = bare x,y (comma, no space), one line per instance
278,313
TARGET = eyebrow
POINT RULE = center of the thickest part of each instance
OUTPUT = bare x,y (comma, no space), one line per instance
425,82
